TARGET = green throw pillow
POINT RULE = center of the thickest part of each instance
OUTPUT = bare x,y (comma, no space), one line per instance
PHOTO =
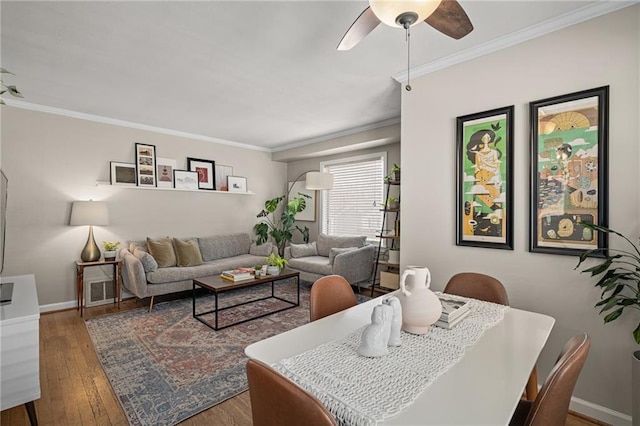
187,252
162,252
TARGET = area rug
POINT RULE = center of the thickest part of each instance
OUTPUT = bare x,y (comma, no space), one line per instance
165,366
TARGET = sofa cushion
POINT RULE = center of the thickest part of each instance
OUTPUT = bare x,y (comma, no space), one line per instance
326,242
148,262
141,244
162,251
314,264
221,246
304,250
187,252
336,251
263,249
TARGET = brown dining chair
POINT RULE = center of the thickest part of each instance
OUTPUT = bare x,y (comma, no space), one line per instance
329,295
276,400
551,406
487,288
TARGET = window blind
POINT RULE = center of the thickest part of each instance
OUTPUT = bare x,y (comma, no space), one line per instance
352,207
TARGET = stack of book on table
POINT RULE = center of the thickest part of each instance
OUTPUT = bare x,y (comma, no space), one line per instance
236,275
453,311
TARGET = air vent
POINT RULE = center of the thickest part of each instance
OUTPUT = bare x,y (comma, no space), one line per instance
98,292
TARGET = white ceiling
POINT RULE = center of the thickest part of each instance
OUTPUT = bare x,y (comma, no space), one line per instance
263,73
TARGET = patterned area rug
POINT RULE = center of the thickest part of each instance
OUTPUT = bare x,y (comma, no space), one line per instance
165,366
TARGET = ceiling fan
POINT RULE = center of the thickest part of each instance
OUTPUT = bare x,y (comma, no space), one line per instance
446,16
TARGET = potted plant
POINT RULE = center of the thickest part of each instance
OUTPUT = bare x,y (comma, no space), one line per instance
393,203
620,284
257,271
110,249
394,255
395,173
275,263
281,229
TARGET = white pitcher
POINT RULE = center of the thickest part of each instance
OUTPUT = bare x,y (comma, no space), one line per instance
421,308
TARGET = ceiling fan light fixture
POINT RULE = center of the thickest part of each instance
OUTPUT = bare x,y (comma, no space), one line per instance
396,13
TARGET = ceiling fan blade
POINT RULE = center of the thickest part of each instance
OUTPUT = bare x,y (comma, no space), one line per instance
450,19
362,26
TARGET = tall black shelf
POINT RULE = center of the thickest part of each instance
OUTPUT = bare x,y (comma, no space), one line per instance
393,240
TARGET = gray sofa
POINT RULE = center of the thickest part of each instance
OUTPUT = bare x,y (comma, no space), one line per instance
350,257
219,252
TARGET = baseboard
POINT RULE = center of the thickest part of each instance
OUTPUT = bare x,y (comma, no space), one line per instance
72,304
599,412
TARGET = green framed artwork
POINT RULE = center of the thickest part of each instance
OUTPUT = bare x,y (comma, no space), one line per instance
569,138
484,172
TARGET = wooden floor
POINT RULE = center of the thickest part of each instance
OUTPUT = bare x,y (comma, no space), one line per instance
76,391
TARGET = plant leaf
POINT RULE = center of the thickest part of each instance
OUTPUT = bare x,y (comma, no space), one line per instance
636,334
13,90
5,71
613,315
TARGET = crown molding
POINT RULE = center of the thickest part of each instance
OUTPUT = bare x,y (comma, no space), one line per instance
129,124
555,24
347,132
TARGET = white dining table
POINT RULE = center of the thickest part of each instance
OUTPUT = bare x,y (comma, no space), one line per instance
483,388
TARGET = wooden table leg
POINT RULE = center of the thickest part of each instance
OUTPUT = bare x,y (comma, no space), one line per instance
80,286
31,412
532,385
117,270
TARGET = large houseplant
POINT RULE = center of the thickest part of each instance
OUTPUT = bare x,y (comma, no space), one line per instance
281,228
620,280
620,283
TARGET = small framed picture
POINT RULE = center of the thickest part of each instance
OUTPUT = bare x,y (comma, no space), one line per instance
123,173
164,171
185,179
146,164
237,183
206,170
221,176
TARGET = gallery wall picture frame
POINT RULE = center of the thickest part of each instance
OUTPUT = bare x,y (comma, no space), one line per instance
237,184
206,172
123,174
185,179
222,172
309,212
146,165
484,179
569,172
164,171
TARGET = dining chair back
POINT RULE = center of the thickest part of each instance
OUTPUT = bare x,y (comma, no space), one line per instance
489,289
330,294
551,406
276,400
477,286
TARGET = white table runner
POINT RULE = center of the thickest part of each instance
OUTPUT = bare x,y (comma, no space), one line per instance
364,391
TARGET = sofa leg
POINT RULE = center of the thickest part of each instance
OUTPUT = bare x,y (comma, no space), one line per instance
151,304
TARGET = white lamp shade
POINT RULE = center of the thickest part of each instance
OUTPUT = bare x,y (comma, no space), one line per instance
389,10
319,180
89,213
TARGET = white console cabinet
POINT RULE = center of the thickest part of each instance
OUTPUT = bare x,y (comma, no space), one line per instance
20,346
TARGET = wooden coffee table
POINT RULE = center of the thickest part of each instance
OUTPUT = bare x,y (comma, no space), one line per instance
218,285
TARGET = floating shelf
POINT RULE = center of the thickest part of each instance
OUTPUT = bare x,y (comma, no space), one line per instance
153,188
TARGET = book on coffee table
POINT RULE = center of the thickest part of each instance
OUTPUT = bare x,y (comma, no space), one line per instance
236,275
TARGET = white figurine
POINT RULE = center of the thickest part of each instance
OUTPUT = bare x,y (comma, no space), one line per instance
376,336
396,322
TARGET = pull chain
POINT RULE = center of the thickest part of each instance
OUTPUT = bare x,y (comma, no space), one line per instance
408,37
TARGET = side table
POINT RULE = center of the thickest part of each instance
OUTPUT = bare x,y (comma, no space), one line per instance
117,277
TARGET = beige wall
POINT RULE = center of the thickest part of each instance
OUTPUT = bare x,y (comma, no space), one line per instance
603,51
52,160
295,168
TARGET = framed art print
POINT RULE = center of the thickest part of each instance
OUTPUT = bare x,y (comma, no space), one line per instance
309,212
221,176
237,184
206,172
569,175
123,173
146,164
484,172
164,171
185,179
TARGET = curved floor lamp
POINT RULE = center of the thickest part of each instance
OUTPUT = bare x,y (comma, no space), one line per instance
89,213
315,180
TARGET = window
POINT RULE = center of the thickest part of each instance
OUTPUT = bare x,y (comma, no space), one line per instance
352,207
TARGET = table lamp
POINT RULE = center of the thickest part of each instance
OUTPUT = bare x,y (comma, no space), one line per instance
89,213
